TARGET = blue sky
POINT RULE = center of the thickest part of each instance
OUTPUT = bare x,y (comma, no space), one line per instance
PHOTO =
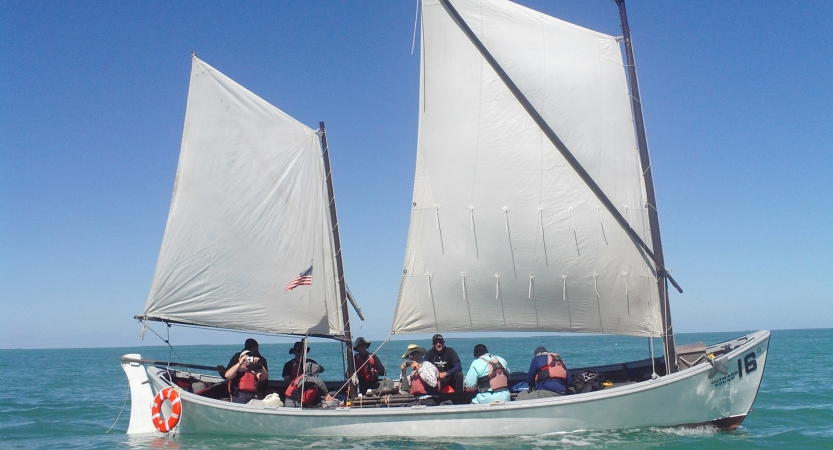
737,97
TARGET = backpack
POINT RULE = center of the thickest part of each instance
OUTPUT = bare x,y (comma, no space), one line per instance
587,381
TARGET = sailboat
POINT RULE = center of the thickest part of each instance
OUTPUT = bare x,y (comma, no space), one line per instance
533,211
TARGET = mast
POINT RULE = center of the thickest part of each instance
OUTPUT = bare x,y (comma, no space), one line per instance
653,218
342,286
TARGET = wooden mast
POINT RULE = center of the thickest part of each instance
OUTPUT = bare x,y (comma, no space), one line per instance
642,142
342,286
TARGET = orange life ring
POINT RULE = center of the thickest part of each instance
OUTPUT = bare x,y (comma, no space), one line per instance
161,424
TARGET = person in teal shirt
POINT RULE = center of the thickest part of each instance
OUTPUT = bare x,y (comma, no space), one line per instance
490,375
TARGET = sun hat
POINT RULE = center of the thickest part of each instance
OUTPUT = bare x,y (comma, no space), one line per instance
413,348
359,342
298,348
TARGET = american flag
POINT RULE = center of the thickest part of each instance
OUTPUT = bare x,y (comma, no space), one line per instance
303,279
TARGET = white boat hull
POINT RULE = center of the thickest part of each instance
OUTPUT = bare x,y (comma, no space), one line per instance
689,397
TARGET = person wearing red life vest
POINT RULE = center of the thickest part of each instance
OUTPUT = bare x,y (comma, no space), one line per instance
247,372
307,389
368,367
547,377
292,368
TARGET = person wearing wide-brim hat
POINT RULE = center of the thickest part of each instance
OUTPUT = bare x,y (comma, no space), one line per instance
292,368
422,382
368,367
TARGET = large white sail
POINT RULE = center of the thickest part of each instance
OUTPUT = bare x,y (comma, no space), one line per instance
249,213
504,235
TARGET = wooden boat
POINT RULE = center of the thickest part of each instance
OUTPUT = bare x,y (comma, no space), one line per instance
533,210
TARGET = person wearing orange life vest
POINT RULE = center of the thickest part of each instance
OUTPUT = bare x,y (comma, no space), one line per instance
247,372
368,367
306,389
423,382
547,377
489,374
292,368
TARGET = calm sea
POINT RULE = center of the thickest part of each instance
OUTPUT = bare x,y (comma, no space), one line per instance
70,398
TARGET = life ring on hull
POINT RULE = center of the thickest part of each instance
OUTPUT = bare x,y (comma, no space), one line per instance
166,425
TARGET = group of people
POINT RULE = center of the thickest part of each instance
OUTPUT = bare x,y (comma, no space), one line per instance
439,371
248,370
425,374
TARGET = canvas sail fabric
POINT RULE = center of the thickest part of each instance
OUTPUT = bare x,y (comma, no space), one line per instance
248,214
504,235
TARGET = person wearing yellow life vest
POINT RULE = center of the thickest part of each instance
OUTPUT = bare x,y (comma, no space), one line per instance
547,377
247,371
368,367
489,374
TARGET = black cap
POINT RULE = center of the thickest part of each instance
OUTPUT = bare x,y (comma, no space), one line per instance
539,350
250,344
437,338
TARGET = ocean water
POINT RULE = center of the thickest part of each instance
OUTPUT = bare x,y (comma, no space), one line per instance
78,398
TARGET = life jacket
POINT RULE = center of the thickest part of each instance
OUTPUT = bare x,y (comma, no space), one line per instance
367,372
248,382
496,379
417,385
553,369
309,394
420,386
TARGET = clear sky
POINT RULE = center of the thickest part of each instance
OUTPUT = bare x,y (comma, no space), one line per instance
738,101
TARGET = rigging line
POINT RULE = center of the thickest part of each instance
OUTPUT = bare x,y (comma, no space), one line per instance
509,236
368,360
126,396
166,341
416,22
547,130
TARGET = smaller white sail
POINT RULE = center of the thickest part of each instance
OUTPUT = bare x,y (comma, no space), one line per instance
248,215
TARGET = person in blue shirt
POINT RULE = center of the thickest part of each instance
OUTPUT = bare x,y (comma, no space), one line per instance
490,375
547,376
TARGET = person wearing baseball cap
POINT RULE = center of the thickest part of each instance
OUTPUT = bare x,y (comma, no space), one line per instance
448,363
547,376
